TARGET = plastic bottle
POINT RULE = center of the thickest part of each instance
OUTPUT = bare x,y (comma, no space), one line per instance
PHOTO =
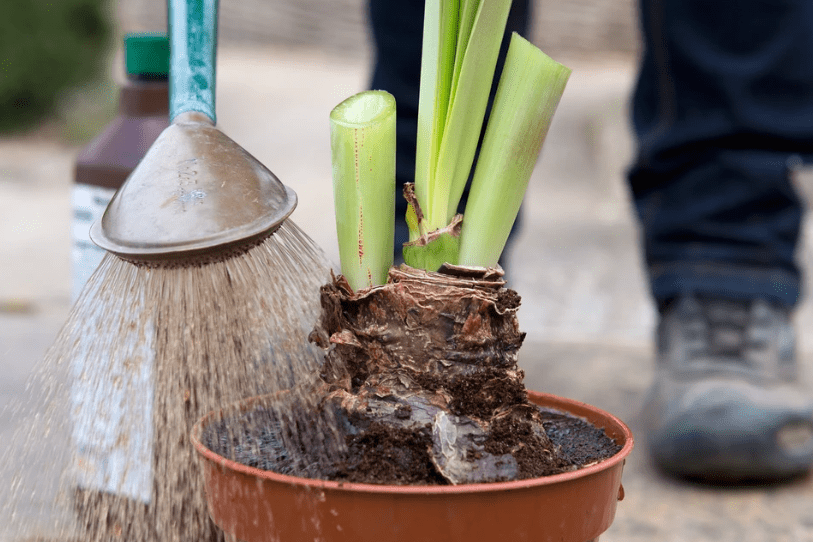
103,166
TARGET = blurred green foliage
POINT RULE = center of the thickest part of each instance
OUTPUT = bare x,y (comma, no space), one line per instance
48,47
84,114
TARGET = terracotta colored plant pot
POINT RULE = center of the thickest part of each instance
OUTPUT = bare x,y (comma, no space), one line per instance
251,505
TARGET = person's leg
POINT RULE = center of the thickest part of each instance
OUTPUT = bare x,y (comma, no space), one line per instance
724,98
723,105
397,29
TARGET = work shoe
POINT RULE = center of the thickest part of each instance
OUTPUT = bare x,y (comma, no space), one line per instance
725,406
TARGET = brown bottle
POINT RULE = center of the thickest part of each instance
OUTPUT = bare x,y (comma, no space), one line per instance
103,166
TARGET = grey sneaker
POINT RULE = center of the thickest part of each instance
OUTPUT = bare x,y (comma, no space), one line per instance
725,405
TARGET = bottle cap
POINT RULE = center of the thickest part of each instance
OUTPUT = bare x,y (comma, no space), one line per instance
146,54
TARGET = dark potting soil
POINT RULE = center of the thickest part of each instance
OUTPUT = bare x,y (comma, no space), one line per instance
478,394
579,442
253,439
382,454
388,455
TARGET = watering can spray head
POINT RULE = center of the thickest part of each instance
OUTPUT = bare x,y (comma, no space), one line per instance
196,195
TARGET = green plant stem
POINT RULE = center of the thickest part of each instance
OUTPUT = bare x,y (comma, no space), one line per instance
437,65
527,96
362,141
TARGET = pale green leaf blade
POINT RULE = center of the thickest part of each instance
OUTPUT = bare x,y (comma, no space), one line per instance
362,141
437,66
467,109
468,14
527,96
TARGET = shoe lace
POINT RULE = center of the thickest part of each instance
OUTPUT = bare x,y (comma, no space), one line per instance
725,333
727,324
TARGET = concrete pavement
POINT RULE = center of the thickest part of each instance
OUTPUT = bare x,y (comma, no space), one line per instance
576,265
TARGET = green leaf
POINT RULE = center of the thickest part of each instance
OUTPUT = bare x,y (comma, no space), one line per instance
437,64
362,141
527,96
467,106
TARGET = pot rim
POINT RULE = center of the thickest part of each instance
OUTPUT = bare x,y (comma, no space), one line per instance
549,401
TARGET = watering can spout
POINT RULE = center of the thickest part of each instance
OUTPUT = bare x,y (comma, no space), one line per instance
193,117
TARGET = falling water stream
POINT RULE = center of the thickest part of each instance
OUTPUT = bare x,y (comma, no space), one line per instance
102,450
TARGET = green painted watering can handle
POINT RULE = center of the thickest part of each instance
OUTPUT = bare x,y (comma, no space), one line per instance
192,50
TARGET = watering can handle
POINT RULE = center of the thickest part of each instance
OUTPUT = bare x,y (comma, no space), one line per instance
192,51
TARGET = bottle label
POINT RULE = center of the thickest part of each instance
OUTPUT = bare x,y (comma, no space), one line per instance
89,204
111,392
112,422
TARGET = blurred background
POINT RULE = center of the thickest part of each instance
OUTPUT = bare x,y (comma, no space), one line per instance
282,66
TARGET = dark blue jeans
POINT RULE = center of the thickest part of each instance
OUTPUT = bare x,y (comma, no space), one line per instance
397,34
722,109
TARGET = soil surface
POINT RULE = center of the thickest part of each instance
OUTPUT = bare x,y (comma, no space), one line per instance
382,455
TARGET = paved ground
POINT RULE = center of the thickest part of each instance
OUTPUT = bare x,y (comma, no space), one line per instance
576,264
